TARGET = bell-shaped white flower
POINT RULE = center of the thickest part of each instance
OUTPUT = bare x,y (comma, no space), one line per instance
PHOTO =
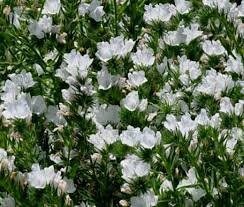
148,199
107,114
226,105
213,47
215,83
143,57
18,109
45,23
149,138
191,179
190,67
182,6
51,7
39,178
131,136
104,136
202,118
77,65
137,78
96,10
239,107
186,124
10,91
7,202
105,79
192,32
35,29
52,115
166,186
175,38
235,64
171,122
22,79
131,101
117,47
133,167
159,12
38,105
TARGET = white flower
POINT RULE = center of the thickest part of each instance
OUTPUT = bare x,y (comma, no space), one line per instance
56,158
66,186
68,94
131,136
38,29
186,124
8,202
117,47
51,7
137,78
241,10
105,52
202,118
143,57
38,105
171,122
18,109
105,79
149,138
230,143
22,79
77,65
11,90
182,6
107,114
160,12
83,8
192,33
196,193
220,4
96,11
175,38
104,136
226,105
45,23
235,64
191,179
15,16
239,108
166,186
52,115
133,167
215,121
3,154
35,29
215,83
131,101
190,67
213,47
143,105
38,69
147,199
163,67
6,162
38,178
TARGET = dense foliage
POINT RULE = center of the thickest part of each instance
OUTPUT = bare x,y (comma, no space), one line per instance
121,103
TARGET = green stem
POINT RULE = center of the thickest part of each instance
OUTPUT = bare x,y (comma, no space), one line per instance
116,17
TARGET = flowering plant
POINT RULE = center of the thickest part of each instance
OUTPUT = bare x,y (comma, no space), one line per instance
121,103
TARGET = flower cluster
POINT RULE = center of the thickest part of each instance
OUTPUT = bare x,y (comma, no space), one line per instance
121,103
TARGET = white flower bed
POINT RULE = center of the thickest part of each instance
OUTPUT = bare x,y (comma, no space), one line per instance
121,103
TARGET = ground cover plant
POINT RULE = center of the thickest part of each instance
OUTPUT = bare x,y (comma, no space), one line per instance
121,103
